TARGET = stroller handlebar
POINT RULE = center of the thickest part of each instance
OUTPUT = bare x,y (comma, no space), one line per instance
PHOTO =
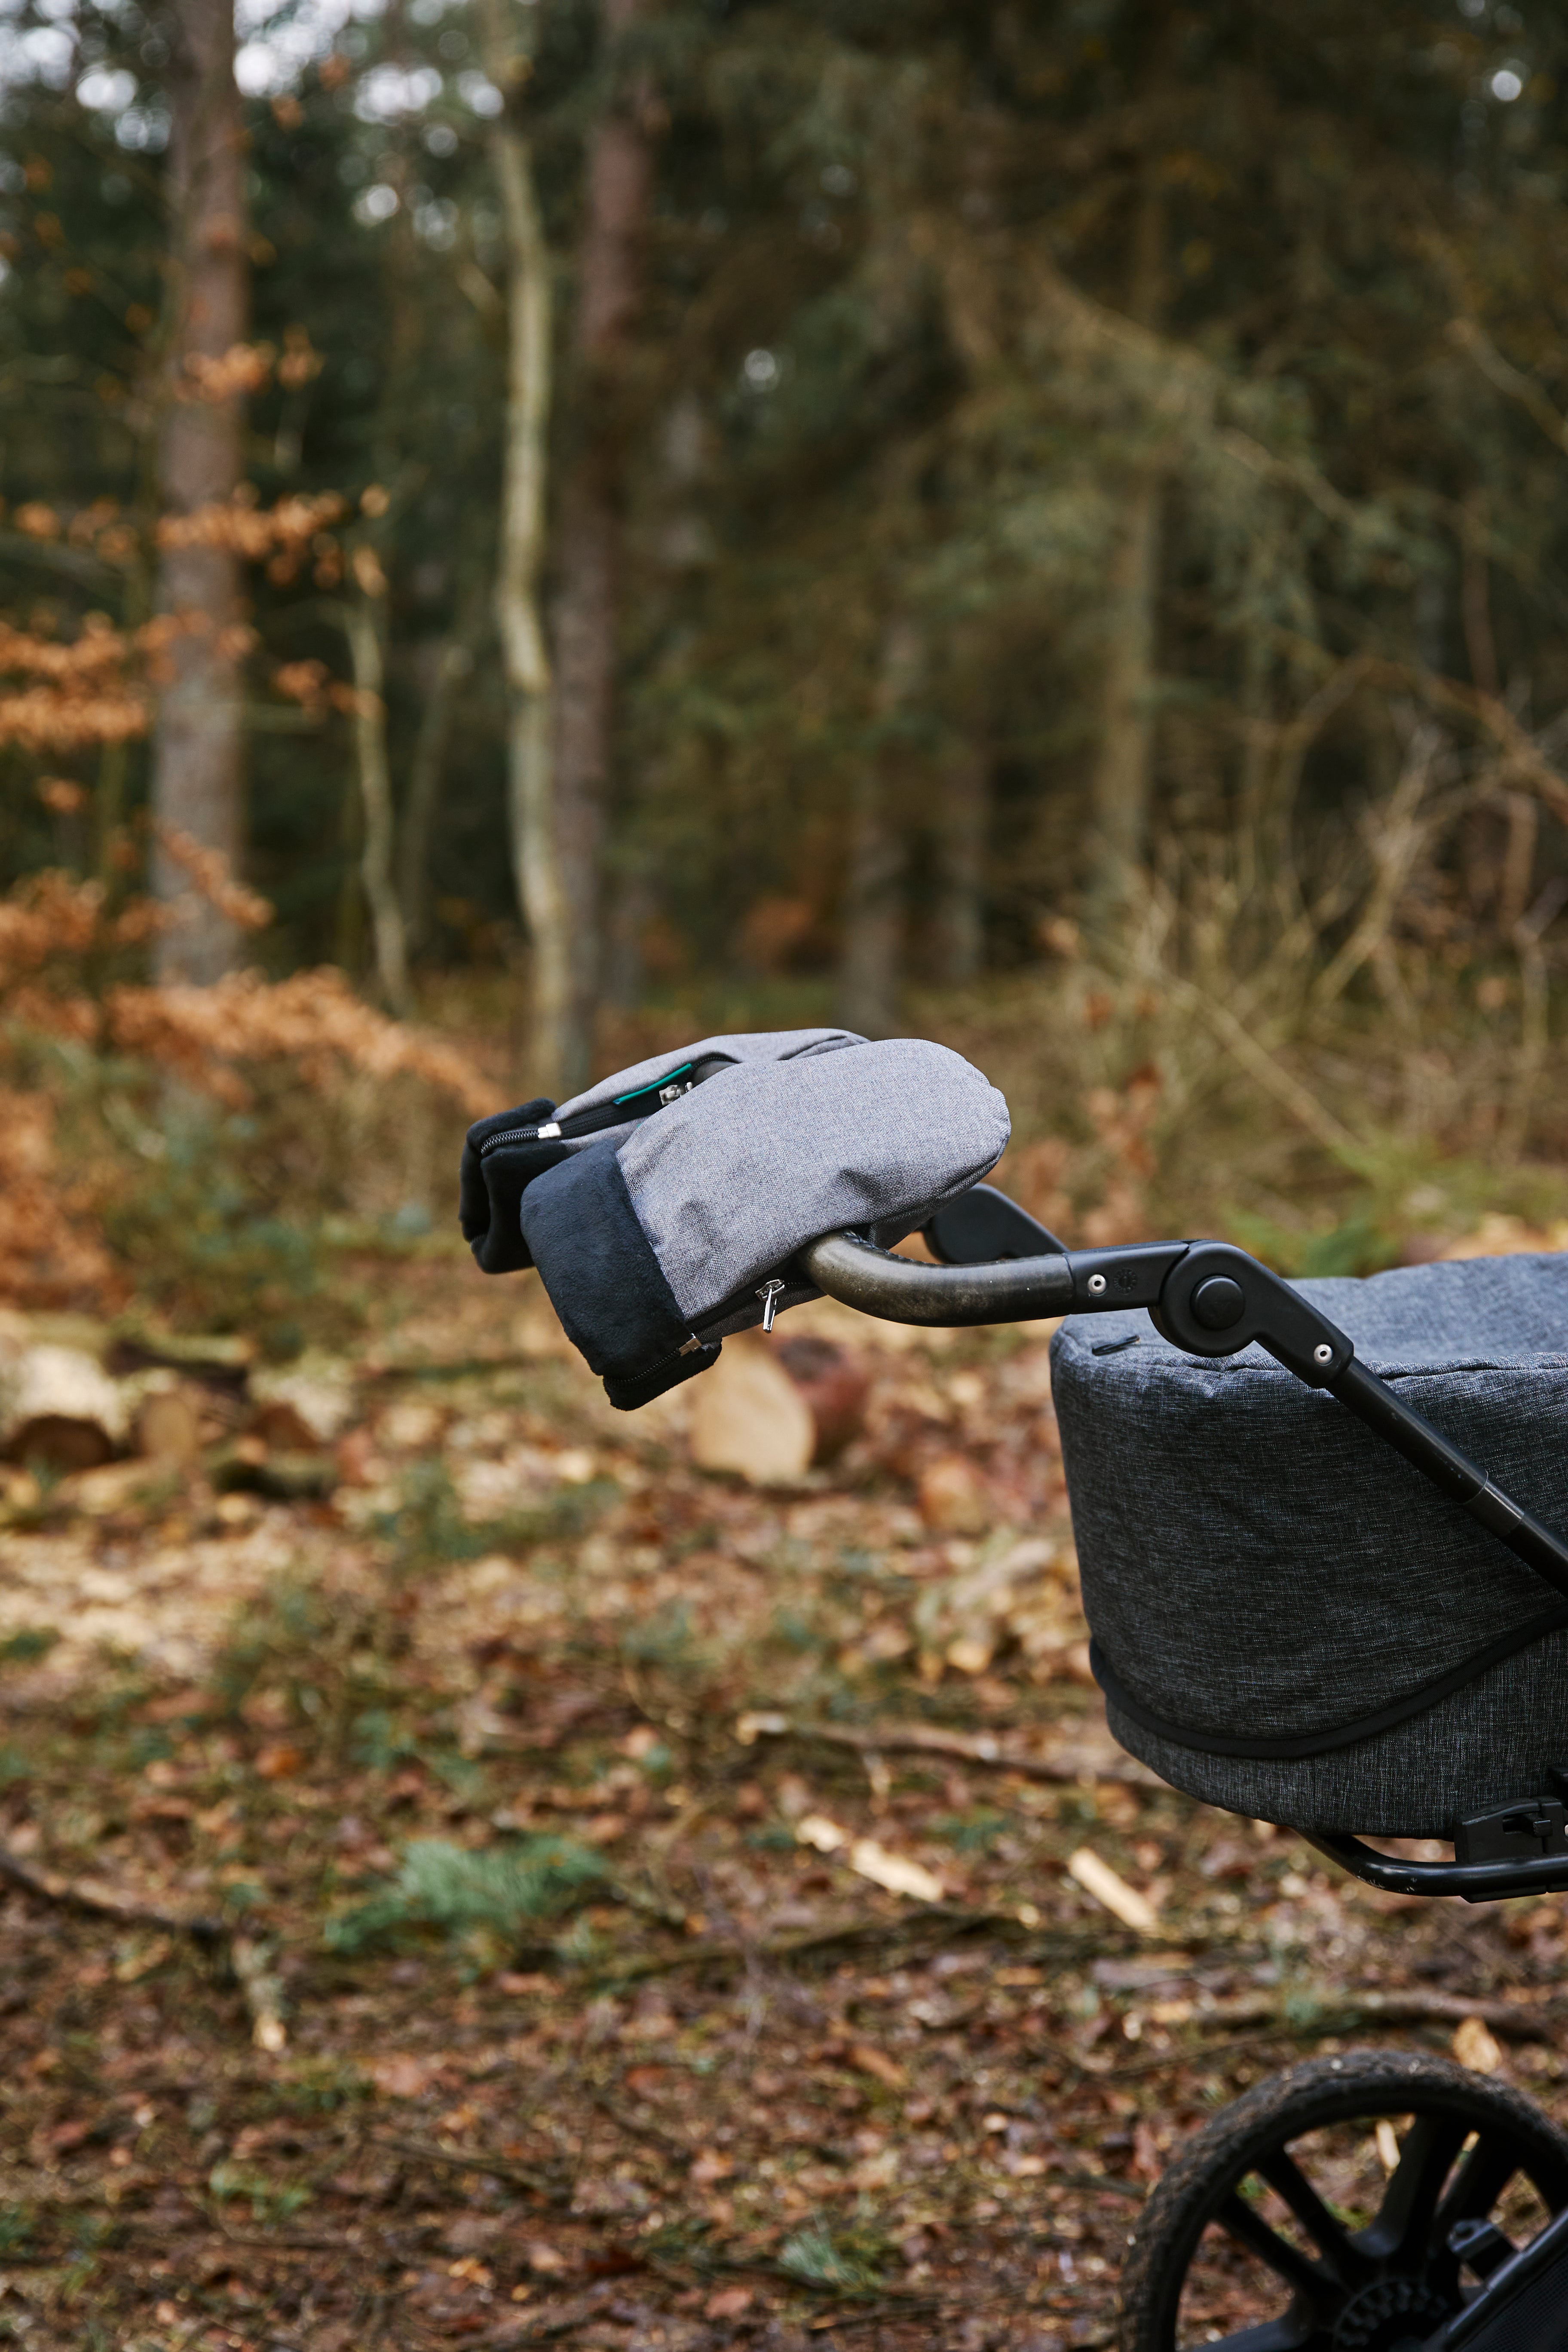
903,1290
1205,1298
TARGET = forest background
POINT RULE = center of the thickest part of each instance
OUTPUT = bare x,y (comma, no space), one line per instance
1038,523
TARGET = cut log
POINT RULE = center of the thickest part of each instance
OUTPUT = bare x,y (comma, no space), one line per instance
748,1416
59,1408
168,1427
835,1384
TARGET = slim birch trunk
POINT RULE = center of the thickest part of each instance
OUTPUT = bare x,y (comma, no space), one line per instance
197,785
453,662
877,859
609,275
1123,772
525,660
962,831
363,627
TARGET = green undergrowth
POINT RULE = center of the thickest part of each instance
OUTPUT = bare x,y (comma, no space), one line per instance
498,1891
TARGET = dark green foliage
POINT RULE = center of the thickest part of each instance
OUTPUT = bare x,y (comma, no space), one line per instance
27,1644
499,1889
844,2259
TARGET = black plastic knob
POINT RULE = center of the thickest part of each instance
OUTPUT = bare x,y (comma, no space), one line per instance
1218,1303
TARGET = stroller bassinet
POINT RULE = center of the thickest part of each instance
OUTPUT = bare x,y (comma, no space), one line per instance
1289,1620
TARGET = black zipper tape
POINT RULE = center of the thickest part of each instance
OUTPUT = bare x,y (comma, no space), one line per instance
642,1103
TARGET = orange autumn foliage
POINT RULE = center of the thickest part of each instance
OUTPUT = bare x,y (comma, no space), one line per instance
64,950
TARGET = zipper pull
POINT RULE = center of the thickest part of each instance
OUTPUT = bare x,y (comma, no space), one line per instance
769,1294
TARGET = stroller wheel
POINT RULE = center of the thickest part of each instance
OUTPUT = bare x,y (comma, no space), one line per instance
1341,2206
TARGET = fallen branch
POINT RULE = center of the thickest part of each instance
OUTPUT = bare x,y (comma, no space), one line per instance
1063,1769
1515,2022
792,1947
636,2128
96,1900
947,1921
1345,2016
430,2151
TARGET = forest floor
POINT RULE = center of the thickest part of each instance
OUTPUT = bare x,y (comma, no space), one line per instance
596,1954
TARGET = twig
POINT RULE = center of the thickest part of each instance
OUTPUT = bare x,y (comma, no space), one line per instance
1271,1074
933,1739
431,2151
1099,2180
947,1920
885,2306
97,1901
1413,2008
263,1990
1514,2023
637,2129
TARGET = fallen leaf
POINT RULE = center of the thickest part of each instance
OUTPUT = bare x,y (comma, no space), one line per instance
727,2303
1123,1902
899,1876
951,1497
708,2166
151,1956
748,1730
67,2136
403,2076
1475,2047
546,2260
279,1761
867,2058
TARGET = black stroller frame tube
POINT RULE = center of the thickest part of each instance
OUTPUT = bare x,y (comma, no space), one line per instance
1211,1299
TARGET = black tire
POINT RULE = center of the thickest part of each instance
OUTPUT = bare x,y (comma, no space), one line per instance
1364,2290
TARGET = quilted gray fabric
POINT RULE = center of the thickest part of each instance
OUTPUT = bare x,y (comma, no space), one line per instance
1259,1568
731,1180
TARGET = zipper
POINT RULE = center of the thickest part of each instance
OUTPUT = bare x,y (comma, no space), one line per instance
641,1103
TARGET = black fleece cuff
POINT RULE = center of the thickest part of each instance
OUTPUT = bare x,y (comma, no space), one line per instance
604,1281
490,1187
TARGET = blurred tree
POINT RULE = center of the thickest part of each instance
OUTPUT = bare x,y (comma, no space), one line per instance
1182,382
197,782
531,750
618,172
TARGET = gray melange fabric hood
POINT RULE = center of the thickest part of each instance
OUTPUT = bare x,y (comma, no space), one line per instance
658,1206
1289,1620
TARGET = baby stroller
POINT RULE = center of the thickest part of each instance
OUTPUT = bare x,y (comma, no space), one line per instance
1309,1605
1289,1623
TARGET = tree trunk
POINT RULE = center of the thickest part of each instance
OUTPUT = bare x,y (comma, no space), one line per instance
1124,769
524,658
619,178
962,831
363,629
197,774
454,661
873,917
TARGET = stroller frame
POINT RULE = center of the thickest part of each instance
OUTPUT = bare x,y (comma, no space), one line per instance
1211,1299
